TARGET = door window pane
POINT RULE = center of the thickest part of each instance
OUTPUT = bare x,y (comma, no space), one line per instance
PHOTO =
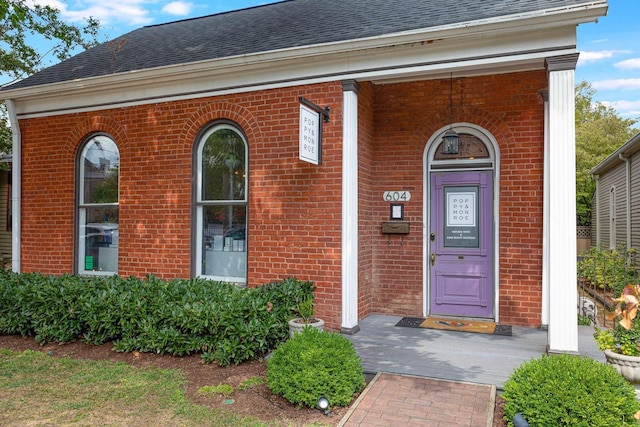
461,228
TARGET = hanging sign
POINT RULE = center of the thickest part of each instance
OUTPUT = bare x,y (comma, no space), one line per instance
311,119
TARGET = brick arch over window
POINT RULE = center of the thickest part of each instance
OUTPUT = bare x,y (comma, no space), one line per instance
94,124
221,111
467,114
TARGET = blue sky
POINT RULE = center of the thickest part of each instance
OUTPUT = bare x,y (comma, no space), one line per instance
610,57
609,60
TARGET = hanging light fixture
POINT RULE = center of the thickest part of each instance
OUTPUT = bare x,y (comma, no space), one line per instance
451,139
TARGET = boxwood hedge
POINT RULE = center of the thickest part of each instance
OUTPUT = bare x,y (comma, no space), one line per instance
566,390
315,363
222,322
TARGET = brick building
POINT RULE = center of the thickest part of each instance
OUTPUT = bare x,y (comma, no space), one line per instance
176,150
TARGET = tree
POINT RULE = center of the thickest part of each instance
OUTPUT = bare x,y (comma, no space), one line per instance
20,21
599,132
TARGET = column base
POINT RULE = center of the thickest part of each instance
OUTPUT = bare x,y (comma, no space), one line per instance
350,331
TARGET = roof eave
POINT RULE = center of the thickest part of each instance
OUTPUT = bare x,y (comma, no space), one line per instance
574,15
625,151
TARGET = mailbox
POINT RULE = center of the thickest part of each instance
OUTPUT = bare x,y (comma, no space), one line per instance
395,227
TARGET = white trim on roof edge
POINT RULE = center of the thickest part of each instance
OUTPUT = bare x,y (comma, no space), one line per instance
479,46
628,148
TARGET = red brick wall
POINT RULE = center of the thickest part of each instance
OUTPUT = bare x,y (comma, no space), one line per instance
366,198
406,116
294,207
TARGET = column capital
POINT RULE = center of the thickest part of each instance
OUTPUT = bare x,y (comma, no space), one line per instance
562,62
545,95
350,86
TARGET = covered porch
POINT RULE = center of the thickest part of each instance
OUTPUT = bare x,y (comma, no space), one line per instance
450,355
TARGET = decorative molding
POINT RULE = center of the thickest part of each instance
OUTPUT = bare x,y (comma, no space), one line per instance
350,86
521,51
544,93
562,62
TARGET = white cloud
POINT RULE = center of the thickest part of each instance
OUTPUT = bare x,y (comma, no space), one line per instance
126,12
597,55
628,109
178,8
617,84
590,56
629,64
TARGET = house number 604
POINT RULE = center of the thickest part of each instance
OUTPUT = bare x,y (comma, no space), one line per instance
396,196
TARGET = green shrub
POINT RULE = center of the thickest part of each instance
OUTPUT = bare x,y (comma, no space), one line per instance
224,323
566,390
314,364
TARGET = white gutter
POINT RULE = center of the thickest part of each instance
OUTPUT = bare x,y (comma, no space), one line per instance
16,186
627,196
502,26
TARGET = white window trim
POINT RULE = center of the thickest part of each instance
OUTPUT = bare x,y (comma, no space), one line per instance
200,203
82,210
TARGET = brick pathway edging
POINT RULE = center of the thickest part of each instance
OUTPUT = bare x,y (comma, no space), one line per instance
395,399
357,402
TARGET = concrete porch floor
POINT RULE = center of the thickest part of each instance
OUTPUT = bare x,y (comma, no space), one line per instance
456,356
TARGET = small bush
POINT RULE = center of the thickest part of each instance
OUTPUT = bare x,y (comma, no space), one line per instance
314,364
566,390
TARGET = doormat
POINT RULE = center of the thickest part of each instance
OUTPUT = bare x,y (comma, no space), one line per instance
465,325
449,324
410,322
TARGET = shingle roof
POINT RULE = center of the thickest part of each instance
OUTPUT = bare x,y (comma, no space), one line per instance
282,25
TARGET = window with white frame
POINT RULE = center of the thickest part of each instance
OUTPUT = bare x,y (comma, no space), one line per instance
612,218
98,200
221,204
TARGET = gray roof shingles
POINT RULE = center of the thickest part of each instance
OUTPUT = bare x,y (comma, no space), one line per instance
282,25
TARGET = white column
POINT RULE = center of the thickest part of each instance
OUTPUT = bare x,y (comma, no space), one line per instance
561,187
545,222
350,207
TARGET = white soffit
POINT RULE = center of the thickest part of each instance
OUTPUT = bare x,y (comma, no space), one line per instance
498,46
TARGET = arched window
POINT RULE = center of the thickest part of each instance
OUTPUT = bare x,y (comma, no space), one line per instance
98,199
221,204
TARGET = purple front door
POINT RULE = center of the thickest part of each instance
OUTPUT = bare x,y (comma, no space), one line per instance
461,242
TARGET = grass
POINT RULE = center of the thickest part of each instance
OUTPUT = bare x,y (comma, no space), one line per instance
37,389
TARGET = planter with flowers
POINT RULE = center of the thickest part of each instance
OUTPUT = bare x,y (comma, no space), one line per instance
621,345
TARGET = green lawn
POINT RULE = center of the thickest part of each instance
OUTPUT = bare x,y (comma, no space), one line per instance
37,389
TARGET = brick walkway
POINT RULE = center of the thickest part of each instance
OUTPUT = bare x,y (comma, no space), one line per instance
403,401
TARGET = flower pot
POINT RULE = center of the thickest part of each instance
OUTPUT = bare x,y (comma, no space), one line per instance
296,325
627,366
